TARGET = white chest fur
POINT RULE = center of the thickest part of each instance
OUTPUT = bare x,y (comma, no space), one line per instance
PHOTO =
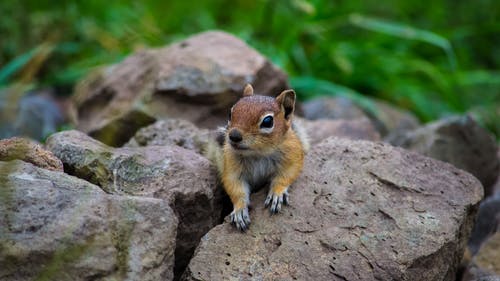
259,170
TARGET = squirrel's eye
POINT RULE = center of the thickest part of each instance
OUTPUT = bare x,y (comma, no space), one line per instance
267,122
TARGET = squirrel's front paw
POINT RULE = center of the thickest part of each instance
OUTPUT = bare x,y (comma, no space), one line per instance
274,201
240,219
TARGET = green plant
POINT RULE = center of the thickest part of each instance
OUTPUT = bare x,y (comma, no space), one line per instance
434,59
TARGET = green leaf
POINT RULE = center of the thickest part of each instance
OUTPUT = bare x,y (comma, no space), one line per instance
16,64
406,32
479,77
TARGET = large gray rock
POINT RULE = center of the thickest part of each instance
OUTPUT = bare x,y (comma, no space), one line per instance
172,132
57,227
197,79
183,178
460,141
331,108
29,151
359,211
387,119
34,114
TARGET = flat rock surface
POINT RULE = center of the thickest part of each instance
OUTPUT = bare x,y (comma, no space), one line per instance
359,211
181,177
29,151
57,227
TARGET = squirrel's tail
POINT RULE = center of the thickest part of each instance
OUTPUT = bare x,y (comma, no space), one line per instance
301,133
213,149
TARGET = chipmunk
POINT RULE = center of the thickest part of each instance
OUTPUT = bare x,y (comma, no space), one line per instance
259,146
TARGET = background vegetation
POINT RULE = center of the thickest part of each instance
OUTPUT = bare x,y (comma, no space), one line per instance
433,57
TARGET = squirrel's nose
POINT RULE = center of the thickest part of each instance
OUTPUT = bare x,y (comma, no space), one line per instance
235,135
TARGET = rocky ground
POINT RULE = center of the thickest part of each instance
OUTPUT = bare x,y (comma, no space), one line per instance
130,195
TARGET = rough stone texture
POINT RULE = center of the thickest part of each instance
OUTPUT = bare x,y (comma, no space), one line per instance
460,141
356,129
29,151
487,222
486,264
183,178
359,211
387,119
57,227
197,79
172,132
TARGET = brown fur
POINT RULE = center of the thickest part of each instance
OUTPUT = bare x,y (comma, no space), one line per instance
263,156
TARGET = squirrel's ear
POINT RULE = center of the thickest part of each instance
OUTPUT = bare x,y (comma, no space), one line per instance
287,101
248,91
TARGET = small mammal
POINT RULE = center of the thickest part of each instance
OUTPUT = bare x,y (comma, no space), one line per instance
259,146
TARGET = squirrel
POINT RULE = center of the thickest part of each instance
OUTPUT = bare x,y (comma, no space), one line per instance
260,145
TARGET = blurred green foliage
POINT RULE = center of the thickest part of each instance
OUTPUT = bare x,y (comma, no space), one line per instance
435,58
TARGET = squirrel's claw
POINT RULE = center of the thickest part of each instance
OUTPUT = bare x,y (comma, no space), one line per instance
274,201
240,219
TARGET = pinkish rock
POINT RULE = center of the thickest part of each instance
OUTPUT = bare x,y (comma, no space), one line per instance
197,79
359,211
58,227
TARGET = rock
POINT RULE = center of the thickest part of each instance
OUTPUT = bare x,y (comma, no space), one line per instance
460,141
197,79
331,108
115,133
183,178
57,227
359,211
172,132
32,114
387,119
29,151
487,222
391,120
357,129
486,264
496,186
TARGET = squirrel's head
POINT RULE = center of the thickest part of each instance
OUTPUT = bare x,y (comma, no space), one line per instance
257,124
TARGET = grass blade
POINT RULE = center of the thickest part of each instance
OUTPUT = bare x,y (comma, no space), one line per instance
406,32
16,65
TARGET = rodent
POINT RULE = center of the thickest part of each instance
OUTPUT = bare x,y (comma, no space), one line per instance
261,145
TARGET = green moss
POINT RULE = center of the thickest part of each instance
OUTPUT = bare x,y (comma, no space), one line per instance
121,236
61,260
